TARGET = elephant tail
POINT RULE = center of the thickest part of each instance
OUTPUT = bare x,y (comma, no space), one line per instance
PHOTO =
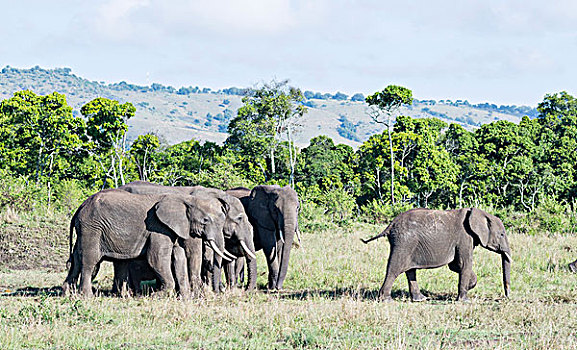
69,262
382,234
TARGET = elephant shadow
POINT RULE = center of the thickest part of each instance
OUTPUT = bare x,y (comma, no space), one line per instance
55,291
357,293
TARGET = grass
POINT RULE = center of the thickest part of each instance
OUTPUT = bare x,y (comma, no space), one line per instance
328,302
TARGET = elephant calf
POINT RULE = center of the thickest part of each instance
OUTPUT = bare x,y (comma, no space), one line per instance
424,239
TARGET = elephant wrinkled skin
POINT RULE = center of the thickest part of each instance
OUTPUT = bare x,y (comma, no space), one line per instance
237,232
273,213
424,239
118,226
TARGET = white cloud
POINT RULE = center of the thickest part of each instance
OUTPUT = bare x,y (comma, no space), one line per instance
123,19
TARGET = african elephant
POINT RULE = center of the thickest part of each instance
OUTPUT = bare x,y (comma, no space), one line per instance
424,239
237,231
273,213
117,225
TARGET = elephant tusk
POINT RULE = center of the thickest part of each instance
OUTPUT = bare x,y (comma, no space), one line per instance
508,256
281,236
229,254
218,252
298,232
247,250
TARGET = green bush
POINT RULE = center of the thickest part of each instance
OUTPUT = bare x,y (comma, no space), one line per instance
377,212
19,194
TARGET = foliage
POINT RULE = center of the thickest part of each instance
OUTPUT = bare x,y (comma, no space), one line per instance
269,114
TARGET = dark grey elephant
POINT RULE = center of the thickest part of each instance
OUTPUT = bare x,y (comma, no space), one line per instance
117,226
273,213
424,239
237,231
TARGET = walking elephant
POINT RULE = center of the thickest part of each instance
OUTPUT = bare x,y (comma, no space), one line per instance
273,213
237,231
117,226
424,239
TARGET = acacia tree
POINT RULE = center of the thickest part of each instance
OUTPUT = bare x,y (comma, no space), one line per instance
106,121
269,115
384,107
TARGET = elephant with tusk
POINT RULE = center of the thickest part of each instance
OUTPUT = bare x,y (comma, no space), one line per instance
237,232
273,213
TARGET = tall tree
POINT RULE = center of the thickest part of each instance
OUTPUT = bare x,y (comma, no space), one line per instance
40,133
107,126
387,103
268,115
142,150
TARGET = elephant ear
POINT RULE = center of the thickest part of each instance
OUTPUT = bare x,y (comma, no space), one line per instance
224,205
261,208
479,225
172,213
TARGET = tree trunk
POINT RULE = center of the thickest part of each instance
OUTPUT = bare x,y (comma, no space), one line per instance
389,126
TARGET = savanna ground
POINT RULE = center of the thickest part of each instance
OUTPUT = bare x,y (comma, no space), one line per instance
329,300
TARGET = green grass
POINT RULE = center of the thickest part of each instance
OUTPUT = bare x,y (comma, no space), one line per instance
328,302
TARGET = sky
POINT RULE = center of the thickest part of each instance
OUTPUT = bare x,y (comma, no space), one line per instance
503,52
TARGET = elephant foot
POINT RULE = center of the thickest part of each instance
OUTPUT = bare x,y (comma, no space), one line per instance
418,298
463,299
386,299
573,267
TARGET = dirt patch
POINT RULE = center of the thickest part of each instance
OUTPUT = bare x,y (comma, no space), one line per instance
42,246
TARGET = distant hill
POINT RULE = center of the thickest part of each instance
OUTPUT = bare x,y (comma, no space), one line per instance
193,112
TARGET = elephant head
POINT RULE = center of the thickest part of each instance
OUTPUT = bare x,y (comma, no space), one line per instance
191,216
238,233
273,212
489,232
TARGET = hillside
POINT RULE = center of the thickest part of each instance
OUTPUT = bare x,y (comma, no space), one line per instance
191,112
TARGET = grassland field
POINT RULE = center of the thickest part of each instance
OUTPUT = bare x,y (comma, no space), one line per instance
329,301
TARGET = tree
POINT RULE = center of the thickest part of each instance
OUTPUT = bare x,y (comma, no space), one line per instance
388,102
40,133
142,150
268,115
106,121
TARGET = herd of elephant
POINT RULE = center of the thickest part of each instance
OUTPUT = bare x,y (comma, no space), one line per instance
185,236
182,236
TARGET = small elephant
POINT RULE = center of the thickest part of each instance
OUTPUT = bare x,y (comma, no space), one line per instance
273,212
117,226
237,232
424,239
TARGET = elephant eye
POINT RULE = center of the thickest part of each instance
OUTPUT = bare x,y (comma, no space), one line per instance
205,221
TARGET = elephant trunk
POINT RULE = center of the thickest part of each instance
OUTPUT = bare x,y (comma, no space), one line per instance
506,263
289,230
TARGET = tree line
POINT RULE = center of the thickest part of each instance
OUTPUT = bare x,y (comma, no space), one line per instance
413,163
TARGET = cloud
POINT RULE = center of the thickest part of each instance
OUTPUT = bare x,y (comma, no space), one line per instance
126,19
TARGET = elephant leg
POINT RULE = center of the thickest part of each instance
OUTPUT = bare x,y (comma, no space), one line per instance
159,257
229,273
90,258
413,286
465,280
69,284
179,264
272,259
394,269
120,284
473,280
463,265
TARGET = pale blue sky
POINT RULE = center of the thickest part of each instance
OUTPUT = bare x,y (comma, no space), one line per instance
504,52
